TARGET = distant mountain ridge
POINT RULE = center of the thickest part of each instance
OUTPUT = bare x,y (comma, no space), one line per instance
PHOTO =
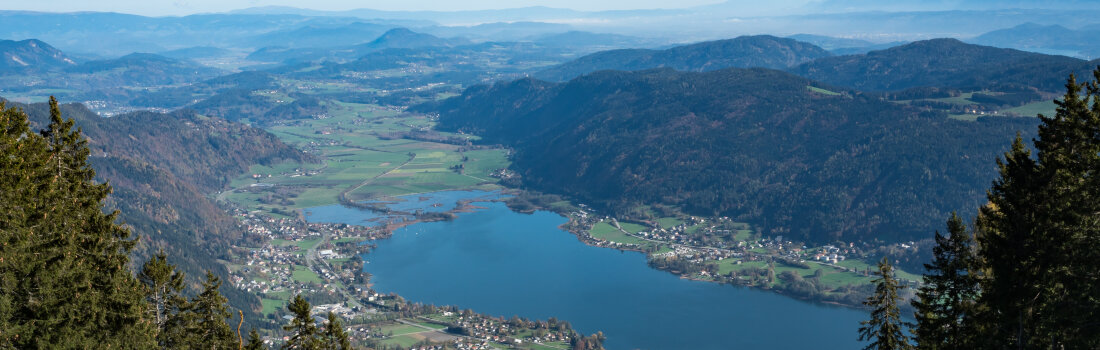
763,51
755,144
946,63
31,55
404,38
147,69
322,36
396,38
1044,38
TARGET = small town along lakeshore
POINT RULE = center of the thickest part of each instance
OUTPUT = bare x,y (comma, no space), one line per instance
326,260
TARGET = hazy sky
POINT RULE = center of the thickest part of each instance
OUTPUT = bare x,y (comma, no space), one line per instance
183,7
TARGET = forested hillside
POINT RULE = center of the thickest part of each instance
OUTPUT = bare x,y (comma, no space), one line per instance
145,69
742,52
161,166
945,63
755,144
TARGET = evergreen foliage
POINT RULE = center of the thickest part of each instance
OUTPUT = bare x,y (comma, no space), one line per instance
254,341
65,279
884,329
333,337
1032,282
1039,235
64,275
208,315
163,288
945,302
303,328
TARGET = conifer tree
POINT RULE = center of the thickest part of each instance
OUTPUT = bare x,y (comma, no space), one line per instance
303,330
945,302
64,263
163,285
254,341
334,337
207,314
884,329
1039,234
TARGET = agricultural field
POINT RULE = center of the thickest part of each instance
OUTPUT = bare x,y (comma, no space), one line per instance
1033,109
604,231
823,91
362,154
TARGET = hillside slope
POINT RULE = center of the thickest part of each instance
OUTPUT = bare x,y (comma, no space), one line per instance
945,63
145,69
755,144
161,166
742,52
31,55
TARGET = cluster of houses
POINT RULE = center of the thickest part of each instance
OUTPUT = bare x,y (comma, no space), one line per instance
503,174
271,268
830,254
338,309
494,330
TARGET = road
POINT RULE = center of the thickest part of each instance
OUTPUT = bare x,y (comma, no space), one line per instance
312,261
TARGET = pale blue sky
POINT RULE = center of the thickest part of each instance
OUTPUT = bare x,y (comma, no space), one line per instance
184,7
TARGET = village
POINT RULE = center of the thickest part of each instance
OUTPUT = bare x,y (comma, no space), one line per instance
720,250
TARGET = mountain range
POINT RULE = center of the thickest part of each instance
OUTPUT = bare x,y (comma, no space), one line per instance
747,51
31,56
763,146
945,63
1053,39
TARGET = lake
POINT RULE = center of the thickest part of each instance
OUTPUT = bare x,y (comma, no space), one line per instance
499,262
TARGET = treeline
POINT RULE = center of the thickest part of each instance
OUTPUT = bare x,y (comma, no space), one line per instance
65,279
1025,276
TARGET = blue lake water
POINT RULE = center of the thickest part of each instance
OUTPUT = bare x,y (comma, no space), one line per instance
504,263
438,202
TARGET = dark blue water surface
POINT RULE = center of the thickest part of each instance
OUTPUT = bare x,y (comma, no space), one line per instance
503,263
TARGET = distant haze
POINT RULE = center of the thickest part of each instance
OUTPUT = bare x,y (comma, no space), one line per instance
186,7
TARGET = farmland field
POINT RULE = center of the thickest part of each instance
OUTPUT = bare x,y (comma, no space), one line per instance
358,155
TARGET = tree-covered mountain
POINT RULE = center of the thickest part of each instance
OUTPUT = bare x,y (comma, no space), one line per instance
161,166
146,69
742,52
944,63
31,56
756,144
406,39
185,95
322,36
117,79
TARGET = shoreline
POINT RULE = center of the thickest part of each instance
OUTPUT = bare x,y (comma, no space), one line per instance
467,206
